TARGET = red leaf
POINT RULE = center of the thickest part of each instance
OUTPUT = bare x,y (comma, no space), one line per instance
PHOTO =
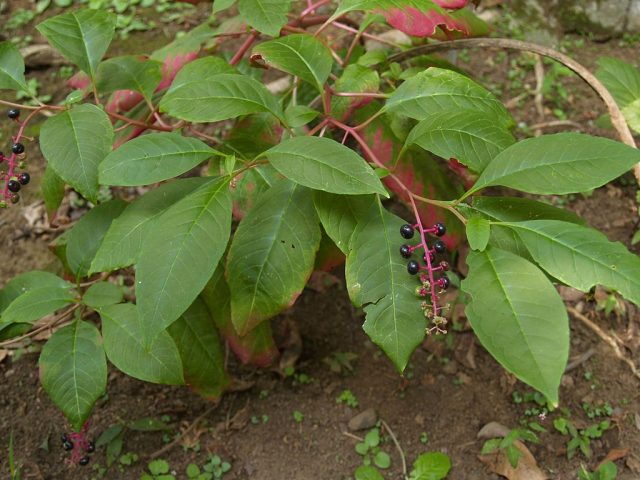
79,81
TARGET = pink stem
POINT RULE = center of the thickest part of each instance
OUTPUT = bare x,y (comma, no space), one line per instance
311,7
244,48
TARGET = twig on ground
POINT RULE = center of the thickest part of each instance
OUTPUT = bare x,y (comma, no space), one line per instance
607,338
398,447
579,360
556,123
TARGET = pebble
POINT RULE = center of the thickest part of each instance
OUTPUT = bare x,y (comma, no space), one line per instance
364,420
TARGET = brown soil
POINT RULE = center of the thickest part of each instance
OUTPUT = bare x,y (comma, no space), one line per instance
451,389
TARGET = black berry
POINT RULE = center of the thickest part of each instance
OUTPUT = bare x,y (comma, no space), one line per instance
13,113
445,266
84,461
441,229
13,186
413,267
24,178
91,447
445,282
68,445
17,148
405,251
407,231
15,198
64,437
439,247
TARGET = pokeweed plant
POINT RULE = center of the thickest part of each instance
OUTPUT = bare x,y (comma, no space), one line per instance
289,177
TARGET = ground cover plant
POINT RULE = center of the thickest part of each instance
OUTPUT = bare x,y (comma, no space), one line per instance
294,181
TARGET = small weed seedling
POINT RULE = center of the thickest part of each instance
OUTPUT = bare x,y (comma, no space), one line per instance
214,469
341,362
606,471
507,444
14,469
430,466
371,452
580,439
348,398
158,470
298,416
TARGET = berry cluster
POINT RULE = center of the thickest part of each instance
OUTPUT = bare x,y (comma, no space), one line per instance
79,446
13,181
429,286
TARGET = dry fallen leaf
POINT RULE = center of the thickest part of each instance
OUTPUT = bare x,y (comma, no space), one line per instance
613,455
527,468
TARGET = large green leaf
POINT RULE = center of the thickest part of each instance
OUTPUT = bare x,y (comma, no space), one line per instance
123,242
73,370
257,346
437,90
559,164
201,68
26,282
580,256
272,254
623,81
129,72
518,317
220,97
324,164
354,78
153,158
377,279
472,138
124,333
340,215
11,68
431,466
266,16
202,356
103,294
82,36
301,54
180,253
52,188
74,143
87,235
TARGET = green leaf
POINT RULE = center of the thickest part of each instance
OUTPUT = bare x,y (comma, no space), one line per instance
124,240
103,294
377,279
437,90
11,68
36,303
516,209
52,191
129,72
354,78
382,460
153,158
82,36
158,467
478,232
198,69
518,317
272,254
299,115
324,164
340,214
431,466
220,5
266,16
301,55
74,143
558,164
86,236
73,370
28,281
581,257
367,472
257,346
623,81
218,98
470,137
180,254
202,356
124,334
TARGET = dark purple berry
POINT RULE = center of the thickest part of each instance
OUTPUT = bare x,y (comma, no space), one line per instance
91,447
64,437
68,445
13,186
439,247
84,461
407,231
444,283
15,198
24,178
405,251
13,113
17,148
413,267
441,229
445,266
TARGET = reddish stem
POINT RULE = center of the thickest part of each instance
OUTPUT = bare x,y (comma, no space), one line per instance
312,7
244,48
